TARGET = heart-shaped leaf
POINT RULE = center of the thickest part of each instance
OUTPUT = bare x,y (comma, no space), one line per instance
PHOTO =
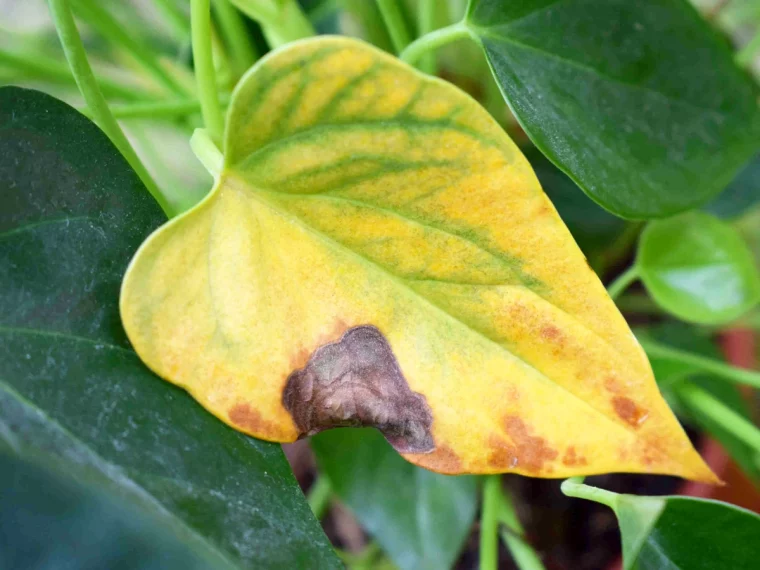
639,102
421,519
698,268
72,388
377,252
679,533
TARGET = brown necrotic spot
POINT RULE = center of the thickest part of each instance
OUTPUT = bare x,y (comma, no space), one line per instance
526,452
356,381
629,411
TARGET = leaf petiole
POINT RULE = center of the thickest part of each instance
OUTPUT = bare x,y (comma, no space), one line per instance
574,487
623,281
720,369
207,152
511,532
319,496
200,21
434,40
703,401
88,86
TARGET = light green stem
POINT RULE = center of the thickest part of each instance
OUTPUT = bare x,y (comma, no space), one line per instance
282,21
157,109
426,19
719,369
623,281
745,56
236,36
733,422
319,496
574,487
489,540
200,20
395,23
98,17
512,534
39,66
207,152
80,68
433,40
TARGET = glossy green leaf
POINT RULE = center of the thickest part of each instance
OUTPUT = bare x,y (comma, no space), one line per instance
50,521
741,195
698,268
420,518
70,384
639,102
680,533
670,374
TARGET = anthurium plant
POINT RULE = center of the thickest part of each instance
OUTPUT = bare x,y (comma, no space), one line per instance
482,238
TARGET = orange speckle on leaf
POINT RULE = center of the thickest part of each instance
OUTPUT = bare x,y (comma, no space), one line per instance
527,452
629,411
572,459
442,460
551,333
612,385
248,419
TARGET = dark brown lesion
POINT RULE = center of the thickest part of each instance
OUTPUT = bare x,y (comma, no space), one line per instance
356,381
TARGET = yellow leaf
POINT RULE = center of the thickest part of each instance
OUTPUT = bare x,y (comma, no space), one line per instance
377,251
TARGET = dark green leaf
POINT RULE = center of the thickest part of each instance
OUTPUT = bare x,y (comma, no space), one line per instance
698,268
593,228
741,195
70,385
420,518
669,375
679,533
51,521
639,102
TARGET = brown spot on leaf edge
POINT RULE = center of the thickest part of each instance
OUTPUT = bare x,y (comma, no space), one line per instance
442,460
243,416
628,411
356,381
526,452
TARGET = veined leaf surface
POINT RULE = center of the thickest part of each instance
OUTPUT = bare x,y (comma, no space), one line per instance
378,252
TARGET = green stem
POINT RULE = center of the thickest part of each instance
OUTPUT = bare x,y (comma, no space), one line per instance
282,21
80,68
745,56
207,152
489,544
574,487
733,422
320,496
200,21
512,534
434,40
720,369
39,66
623,281
426,19
171,109
236,36
640,304
393,17
108,27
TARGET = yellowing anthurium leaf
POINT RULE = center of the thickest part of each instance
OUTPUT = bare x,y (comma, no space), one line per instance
376,251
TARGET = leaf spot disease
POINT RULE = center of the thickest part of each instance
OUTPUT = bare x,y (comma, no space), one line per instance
527,452
629,411
356,381
572,458
244,416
